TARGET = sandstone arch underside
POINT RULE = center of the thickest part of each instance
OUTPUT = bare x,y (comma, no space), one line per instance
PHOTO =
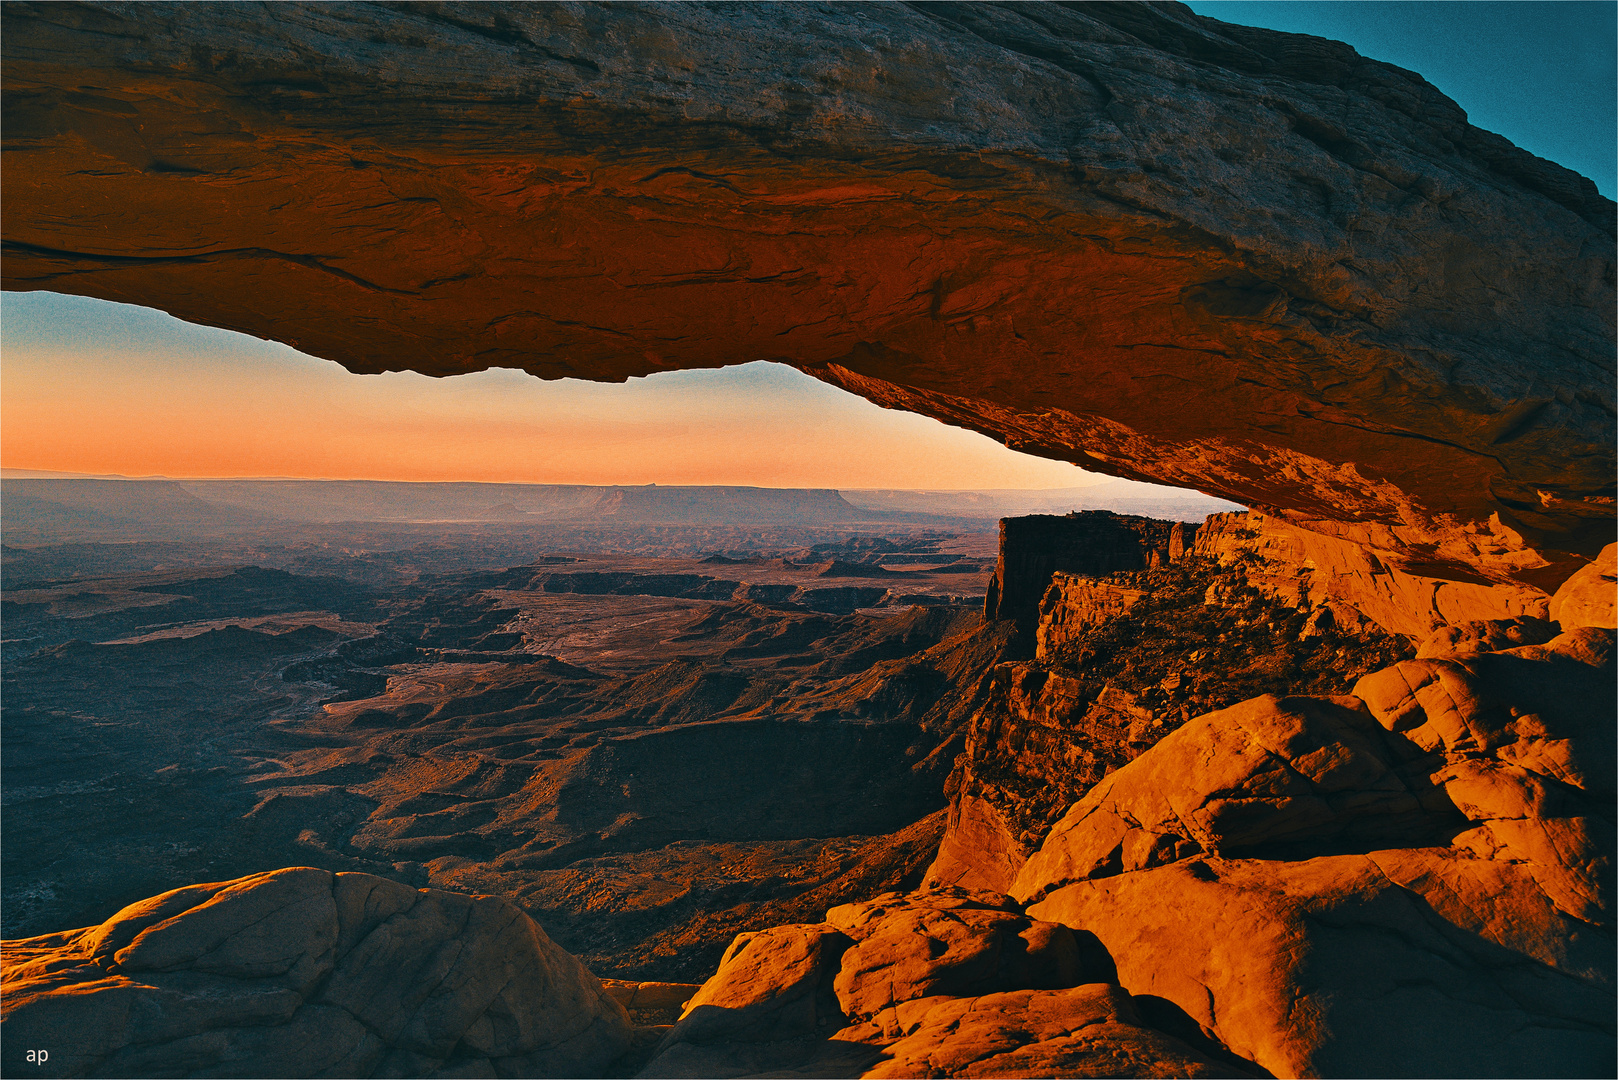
1153,244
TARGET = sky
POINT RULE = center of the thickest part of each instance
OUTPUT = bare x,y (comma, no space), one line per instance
1540,72
92,387
95,387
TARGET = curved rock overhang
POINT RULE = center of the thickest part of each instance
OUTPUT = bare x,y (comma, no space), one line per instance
1156,245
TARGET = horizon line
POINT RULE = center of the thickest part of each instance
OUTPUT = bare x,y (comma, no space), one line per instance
10,473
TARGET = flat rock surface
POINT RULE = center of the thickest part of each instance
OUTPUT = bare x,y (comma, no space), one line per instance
1154,244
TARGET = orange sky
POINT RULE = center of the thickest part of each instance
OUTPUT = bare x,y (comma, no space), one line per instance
92,387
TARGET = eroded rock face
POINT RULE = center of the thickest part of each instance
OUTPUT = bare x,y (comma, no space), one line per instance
1588,597
1154,244
1407,962
1263,775
301,972
1092,543
1358,576
1195,637
1456,915
940,982
1074,603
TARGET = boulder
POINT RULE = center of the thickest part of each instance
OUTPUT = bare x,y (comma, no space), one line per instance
301,972
948,942
771,985
1281,775
1414,962
940,982
770,1006
1588,597
1082,1031
1529,752
1356,942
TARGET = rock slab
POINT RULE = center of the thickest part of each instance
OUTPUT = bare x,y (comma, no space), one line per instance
1414,880
301,972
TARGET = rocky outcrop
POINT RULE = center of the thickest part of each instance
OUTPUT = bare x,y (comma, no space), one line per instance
1040,741
1357,576
1092,543
1416,879
301,972
1073,604
944,943
1192,638
1259,778
942,982
1403,962
1589,596
1151,243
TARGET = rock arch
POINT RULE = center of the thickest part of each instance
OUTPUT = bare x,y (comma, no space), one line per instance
1154,244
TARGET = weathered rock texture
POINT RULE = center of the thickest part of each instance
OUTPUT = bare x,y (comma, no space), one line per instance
1124,661
1074,603
1155,244
302,972
1589,597
1358,580
1416,879
1091,542
942,982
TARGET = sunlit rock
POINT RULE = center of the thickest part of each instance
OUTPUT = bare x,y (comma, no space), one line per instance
302,972
1154,244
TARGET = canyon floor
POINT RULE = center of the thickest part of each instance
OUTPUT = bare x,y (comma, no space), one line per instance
1086,797
649,754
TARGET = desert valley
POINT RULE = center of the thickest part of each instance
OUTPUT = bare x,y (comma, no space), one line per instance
1310,775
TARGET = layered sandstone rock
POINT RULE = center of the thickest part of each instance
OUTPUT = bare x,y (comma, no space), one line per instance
1155,244
1038,743
942,982
1433,884
301,972
1074,603
1091,543
1588,597
1106,685
1358,576
1258,777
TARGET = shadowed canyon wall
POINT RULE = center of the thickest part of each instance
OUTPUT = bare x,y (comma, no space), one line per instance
1153,244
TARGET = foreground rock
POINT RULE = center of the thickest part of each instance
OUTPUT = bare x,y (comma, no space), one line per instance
1346,301
942,982
1415,880
1124,660
301,972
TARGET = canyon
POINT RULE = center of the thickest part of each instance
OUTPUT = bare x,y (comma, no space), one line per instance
633,781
